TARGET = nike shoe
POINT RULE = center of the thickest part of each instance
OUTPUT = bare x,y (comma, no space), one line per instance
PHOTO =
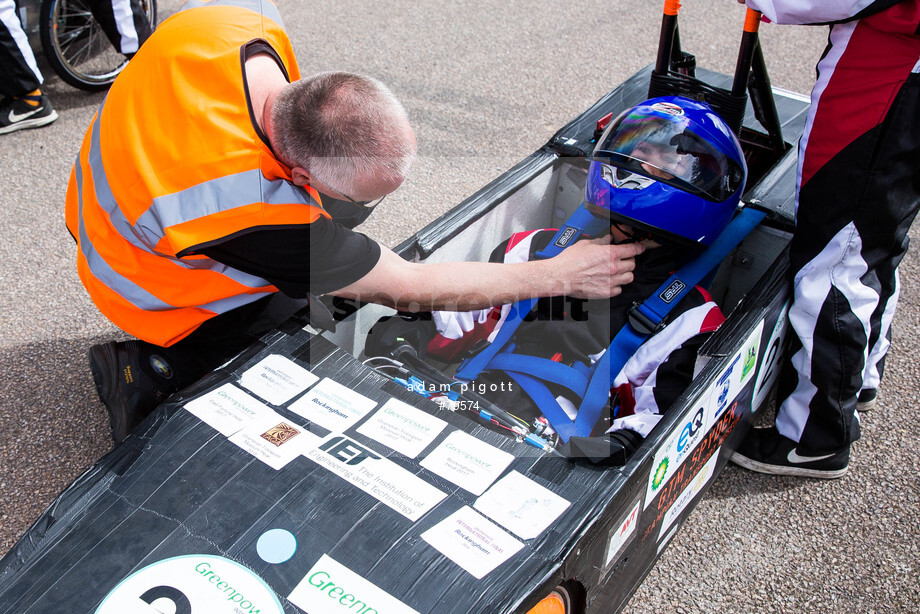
766,451
17,114
128,392
867,399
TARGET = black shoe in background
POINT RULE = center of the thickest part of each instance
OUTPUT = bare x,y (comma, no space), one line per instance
766,451
125,384
867,399
17,114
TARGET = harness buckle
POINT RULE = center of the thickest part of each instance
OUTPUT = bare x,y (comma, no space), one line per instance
641,323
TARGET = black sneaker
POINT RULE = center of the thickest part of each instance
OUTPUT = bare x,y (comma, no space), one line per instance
867,399
766,451
17,114
127,392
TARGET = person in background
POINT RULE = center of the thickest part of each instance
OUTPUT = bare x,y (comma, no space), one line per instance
23,104
857,193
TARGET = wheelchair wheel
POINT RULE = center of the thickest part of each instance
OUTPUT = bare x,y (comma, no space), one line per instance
76,47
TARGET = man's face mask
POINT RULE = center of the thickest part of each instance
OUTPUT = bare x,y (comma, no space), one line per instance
348,214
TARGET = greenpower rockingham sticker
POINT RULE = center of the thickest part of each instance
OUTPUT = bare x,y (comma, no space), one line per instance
192,584
332,588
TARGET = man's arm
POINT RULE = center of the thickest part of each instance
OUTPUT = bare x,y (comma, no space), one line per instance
589,269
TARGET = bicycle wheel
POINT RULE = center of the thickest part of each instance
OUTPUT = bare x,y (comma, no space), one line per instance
76,47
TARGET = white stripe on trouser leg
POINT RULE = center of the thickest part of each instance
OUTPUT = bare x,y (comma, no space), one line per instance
14,26
840,265
124,20
839,38
871,376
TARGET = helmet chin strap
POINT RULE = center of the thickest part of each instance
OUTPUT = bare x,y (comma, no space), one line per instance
631,235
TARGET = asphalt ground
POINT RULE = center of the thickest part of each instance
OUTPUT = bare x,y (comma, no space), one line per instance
484,84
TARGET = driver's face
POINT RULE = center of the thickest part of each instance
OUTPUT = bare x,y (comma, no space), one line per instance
663,162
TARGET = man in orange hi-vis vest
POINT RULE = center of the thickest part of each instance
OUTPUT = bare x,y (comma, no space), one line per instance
213,178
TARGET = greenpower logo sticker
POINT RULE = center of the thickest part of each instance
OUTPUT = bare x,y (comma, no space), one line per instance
332,588
193,584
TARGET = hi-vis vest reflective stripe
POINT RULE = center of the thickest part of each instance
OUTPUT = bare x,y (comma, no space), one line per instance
172,163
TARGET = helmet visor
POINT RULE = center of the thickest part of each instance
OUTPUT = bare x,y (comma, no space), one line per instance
668,151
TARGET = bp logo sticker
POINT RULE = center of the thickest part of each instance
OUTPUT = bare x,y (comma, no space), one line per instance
660,473
193,584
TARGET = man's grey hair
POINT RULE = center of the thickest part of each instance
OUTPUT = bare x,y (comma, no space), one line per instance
341,127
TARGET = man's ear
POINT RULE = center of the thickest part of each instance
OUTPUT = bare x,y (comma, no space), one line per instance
300,176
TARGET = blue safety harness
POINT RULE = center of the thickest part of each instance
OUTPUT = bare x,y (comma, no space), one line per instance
592,384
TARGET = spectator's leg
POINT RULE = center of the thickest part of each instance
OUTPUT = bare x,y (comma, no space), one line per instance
124,23
859,174
19,74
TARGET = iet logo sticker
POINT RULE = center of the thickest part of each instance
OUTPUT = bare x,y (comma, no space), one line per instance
347,451
621,535
379,477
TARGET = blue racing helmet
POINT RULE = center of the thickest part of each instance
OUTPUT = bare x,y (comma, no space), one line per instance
670,167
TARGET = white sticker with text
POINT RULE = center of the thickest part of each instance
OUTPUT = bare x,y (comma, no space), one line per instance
227,409
333,406
379,477
402,427
468,462
521,505
277,379
191,583
619,538
274,440
689,494
331,588
472,542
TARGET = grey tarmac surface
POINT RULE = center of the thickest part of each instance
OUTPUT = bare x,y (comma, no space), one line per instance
485,84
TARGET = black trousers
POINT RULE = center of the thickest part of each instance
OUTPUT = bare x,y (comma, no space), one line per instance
123,21
222,337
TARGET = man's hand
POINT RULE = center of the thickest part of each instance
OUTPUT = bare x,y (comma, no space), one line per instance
589,269
595,269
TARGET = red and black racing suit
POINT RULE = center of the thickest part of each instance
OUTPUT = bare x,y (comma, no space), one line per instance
858,190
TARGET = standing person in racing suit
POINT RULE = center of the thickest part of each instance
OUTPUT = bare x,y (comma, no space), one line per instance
858,190
23,105
668,169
